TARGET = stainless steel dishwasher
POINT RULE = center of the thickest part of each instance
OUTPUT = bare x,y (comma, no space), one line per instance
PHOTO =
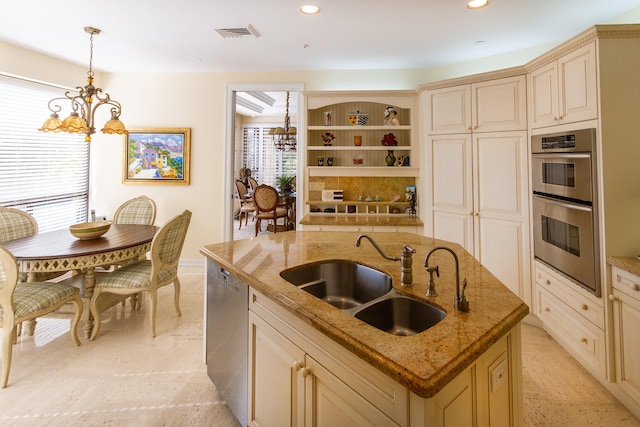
227,337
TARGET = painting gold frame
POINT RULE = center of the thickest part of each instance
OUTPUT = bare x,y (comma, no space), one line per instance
157,156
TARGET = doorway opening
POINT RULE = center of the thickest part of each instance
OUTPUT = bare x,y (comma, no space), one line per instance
252,110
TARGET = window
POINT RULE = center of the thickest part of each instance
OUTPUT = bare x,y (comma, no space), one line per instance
44,174
260,155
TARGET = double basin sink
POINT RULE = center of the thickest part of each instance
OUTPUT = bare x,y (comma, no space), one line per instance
365,293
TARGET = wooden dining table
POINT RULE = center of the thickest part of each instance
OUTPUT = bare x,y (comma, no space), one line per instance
60,251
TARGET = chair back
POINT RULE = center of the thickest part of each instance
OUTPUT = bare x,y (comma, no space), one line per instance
8,281
265,198
166,246
141,210
242,190
15,224
253,184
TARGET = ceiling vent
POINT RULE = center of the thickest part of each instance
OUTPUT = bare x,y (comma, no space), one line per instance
237,32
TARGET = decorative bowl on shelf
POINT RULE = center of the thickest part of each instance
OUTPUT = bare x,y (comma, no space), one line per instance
89,230
358,118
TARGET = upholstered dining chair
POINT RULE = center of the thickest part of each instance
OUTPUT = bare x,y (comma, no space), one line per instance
246,203
16,224
146,275
22,301
140,210
267,203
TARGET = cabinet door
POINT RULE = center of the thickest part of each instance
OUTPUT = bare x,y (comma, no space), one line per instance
543,89
577,85
330,402
449,110
451,189
501,208
626,322
499,105
276,387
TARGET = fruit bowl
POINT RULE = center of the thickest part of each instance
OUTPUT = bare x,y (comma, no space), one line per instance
89,230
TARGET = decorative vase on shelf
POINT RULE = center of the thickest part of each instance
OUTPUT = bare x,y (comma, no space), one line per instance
390,159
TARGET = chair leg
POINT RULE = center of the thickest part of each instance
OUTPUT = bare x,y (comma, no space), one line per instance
240,220
77,301
257,225
176,296
8,336
153,299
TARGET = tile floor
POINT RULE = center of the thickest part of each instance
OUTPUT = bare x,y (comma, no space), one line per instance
127,378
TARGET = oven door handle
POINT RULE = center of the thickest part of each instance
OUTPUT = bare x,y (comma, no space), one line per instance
561,155
564,204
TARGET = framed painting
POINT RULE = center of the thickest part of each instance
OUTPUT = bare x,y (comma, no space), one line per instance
157,156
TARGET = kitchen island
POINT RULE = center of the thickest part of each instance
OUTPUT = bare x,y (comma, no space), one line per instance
453,372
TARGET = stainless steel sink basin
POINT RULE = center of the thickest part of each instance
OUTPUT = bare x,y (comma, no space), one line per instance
400,315
342,283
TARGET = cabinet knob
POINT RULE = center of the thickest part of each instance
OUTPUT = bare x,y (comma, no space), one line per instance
547,309
585,307
635,287
305,372
612,298
584,340
298,365
547,282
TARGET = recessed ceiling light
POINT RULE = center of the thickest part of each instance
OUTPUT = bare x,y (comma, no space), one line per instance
477,4
309,9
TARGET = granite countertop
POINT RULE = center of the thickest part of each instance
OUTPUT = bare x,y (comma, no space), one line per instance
629,264
424,363
379,220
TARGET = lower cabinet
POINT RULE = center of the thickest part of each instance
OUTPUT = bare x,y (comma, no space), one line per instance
299,377
574,317
625,296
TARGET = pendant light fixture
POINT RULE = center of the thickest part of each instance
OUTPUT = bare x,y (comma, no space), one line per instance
82,116
284,138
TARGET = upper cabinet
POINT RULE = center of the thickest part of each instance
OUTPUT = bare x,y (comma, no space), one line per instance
346,133
565,90
489,106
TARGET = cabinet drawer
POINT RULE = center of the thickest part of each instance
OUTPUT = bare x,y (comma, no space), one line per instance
583,303
626,282
581,338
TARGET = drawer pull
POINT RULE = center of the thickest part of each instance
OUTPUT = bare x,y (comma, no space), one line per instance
612,298
585,307
305,372
547,309
635,287
298,365
584,340
547,282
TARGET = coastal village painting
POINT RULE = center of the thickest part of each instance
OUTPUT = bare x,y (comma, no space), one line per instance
157,156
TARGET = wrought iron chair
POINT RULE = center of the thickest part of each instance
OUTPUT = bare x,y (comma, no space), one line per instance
146,275
140,210
22,301
246,203
268,206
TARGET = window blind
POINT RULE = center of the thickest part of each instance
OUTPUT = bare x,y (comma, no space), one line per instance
260,155
44,174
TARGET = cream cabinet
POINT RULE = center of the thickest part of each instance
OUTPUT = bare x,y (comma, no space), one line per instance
488,106
565,90
573,316
478,198
625,298
299,377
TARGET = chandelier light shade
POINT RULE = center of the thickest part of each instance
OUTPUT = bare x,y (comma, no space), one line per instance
285,138
84,105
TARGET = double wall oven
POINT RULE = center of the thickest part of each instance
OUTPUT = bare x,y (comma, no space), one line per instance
565,223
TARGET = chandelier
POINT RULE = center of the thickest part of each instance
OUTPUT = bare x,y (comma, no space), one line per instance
81,119
284,138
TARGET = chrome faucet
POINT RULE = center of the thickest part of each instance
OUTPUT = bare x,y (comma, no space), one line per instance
405,259
461,303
